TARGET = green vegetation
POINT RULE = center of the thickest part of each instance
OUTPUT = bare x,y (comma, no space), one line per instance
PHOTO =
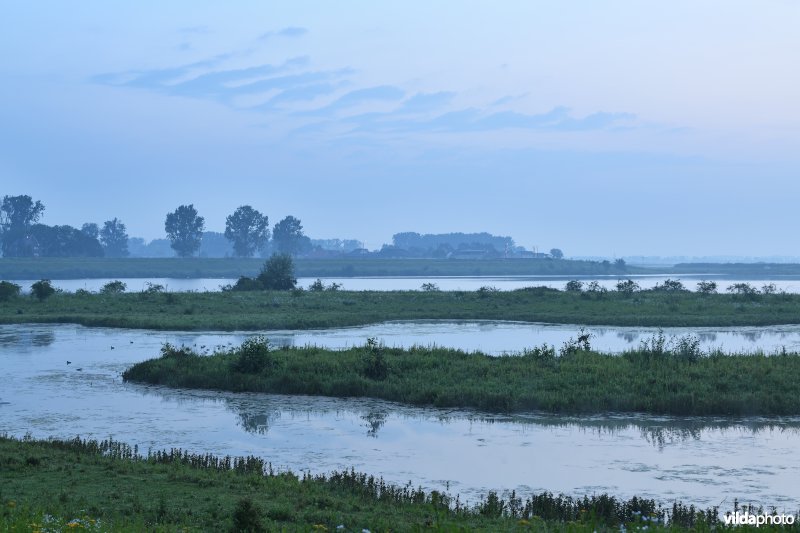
200,267
302,309
656,378
108,486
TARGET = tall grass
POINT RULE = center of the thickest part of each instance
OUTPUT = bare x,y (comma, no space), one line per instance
320,309
650,380
110,486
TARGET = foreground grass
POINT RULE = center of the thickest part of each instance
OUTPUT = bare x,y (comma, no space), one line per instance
87,485
305,309
577,381
198,267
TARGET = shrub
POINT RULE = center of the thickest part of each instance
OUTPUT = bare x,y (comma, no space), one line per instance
278,273
8,290
317,286
82,292
628,286
574,286
43,289
670,285
253,356
153,288
707,287
113,287
170,351
743,289
247,517
246,284
430,287
374,363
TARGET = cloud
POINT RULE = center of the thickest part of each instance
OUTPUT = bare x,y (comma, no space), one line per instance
477,120
289,32
422,102
380,93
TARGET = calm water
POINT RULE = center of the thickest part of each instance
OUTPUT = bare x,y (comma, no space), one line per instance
700,460
504,283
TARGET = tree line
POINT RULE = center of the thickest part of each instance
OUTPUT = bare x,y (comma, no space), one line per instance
247,229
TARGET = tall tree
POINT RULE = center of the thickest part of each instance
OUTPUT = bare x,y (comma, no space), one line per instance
91,229
185,230
288,236
248,230
17,214
114,238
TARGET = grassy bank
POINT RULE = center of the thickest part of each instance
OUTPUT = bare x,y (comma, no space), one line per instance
305,309
198,267
653,380
87,485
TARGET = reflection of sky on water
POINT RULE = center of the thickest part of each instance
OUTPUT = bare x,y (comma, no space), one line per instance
693,459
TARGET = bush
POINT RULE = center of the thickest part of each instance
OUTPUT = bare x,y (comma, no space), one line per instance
430,287
707,287
247,517
375,365
43,289
574,286
8,290
113,287
245,284
670,285
743,289
170,351
317,286
253,356
628,286
278,273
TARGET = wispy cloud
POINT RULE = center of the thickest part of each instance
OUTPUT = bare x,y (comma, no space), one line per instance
291,32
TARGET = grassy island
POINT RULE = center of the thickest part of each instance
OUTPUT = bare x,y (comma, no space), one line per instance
78,485
303,309
681,381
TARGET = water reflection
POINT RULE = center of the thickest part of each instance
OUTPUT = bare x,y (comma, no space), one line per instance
25,339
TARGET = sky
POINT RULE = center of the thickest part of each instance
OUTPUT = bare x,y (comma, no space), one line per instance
602,128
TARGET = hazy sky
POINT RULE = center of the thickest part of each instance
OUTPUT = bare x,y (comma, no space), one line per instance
603,128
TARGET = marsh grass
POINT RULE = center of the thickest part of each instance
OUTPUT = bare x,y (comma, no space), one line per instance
109,486
672,379
321,309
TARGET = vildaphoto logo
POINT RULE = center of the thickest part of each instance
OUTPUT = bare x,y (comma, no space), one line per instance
748,519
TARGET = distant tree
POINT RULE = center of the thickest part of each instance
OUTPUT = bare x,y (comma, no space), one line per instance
743,289
90,229
620,264
62,241
278,273
114,238
248,230
17,215
185,230
288,236
556,253
214,244
574,286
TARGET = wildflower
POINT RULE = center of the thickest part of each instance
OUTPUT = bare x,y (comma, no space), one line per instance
12,504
